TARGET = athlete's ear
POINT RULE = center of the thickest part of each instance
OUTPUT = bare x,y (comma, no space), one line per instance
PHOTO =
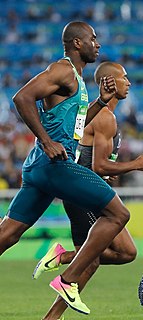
77,43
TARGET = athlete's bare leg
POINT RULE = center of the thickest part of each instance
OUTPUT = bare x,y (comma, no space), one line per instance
122,250
59,306
109,226
10,233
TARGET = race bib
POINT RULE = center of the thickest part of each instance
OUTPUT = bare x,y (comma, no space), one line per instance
80,122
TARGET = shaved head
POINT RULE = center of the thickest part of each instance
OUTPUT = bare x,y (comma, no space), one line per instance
72,30
106,69
117,71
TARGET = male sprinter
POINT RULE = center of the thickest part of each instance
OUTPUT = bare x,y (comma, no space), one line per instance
49,171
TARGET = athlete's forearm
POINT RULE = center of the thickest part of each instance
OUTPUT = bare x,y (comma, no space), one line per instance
27,109
94,107
110,168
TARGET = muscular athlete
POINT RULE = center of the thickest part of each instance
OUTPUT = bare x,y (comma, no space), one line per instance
49,171
98,151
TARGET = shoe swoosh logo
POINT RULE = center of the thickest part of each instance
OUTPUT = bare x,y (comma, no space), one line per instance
47,263
70,298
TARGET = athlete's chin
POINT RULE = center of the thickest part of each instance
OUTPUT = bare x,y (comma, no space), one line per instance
126,94
92,60
123,97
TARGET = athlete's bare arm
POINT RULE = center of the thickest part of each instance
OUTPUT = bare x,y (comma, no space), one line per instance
104,128
107,89
53,85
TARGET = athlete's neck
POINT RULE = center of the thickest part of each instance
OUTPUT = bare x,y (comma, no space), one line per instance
76,61
112,104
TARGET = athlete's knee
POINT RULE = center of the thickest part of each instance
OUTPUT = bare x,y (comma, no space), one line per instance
126,257
131,254
123,216
118,213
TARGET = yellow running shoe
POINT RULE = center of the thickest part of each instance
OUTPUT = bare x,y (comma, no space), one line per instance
50,261
69,292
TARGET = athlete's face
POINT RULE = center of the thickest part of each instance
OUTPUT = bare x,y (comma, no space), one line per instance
122,82
89,50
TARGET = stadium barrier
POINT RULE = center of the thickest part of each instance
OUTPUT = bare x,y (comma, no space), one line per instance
54,221
122,192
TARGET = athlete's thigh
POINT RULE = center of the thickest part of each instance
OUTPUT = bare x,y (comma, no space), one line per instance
28,205
10,227
81,221
81,186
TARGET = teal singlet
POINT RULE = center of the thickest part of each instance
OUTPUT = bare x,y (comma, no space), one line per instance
44,179
64,123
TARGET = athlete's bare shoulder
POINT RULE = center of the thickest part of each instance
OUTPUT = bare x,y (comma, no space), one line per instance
105,116
104,121
62,71
106,112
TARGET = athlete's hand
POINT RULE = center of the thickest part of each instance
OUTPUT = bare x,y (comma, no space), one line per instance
107,88
112,178
55,150
139,163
